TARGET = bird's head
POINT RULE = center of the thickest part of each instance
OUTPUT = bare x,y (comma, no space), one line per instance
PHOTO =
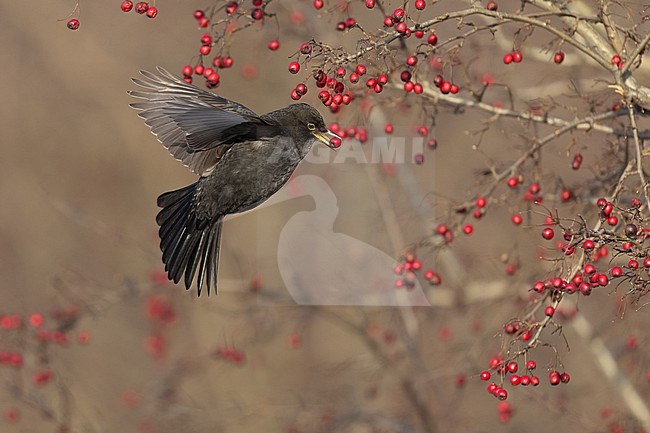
304,122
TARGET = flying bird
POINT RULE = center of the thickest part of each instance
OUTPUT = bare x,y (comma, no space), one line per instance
242,159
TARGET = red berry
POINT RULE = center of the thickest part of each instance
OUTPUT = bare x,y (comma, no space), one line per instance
491,6
558,57
420,4
213,78
198,14
305,48
432,39
549,311
73,24
608,209
301,89
548,233
554,378
388,129
603,280
382,79
360,70
539,287
577,161
423,130
335,142
206,39
412,60
612,220
617,271
565,378
205,49
231,8
515,380
294,67
187,70
468,229
454,89
398,14
485,375
616,60
318,4
405,76
274,45
257,14
418,158
508,58
517,56
226,62
141,7
370,4
445,87
152,12
12,415
295,95
418,89
204,22
531,365
36,320
127,5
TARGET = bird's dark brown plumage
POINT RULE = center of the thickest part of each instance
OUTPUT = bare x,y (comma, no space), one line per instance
242,159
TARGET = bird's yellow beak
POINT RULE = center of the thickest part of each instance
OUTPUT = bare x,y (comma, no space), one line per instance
331,140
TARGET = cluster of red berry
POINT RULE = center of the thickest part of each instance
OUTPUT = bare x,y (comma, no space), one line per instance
162,314
507,371
230,354
351,132
514,56
405,273
140,7
62,322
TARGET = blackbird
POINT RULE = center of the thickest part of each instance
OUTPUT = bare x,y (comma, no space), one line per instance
242,159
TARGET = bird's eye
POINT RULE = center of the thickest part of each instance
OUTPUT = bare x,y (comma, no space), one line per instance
311,126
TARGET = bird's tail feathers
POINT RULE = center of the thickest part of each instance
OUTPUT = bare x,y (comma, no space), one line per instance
189,245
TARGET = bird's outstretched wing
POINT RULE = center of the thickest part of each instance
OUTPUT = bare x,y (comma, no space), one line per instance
196,126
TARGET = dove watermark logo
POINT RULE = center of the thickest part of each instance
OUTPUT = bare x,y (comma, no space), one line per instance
320,266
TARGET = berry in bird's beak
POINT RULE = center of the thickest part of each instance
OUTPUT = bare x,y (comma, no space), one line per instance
332,140
334,143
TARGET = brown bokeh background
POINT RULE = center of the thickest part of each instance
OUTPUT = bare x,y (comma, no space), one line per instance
79,174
